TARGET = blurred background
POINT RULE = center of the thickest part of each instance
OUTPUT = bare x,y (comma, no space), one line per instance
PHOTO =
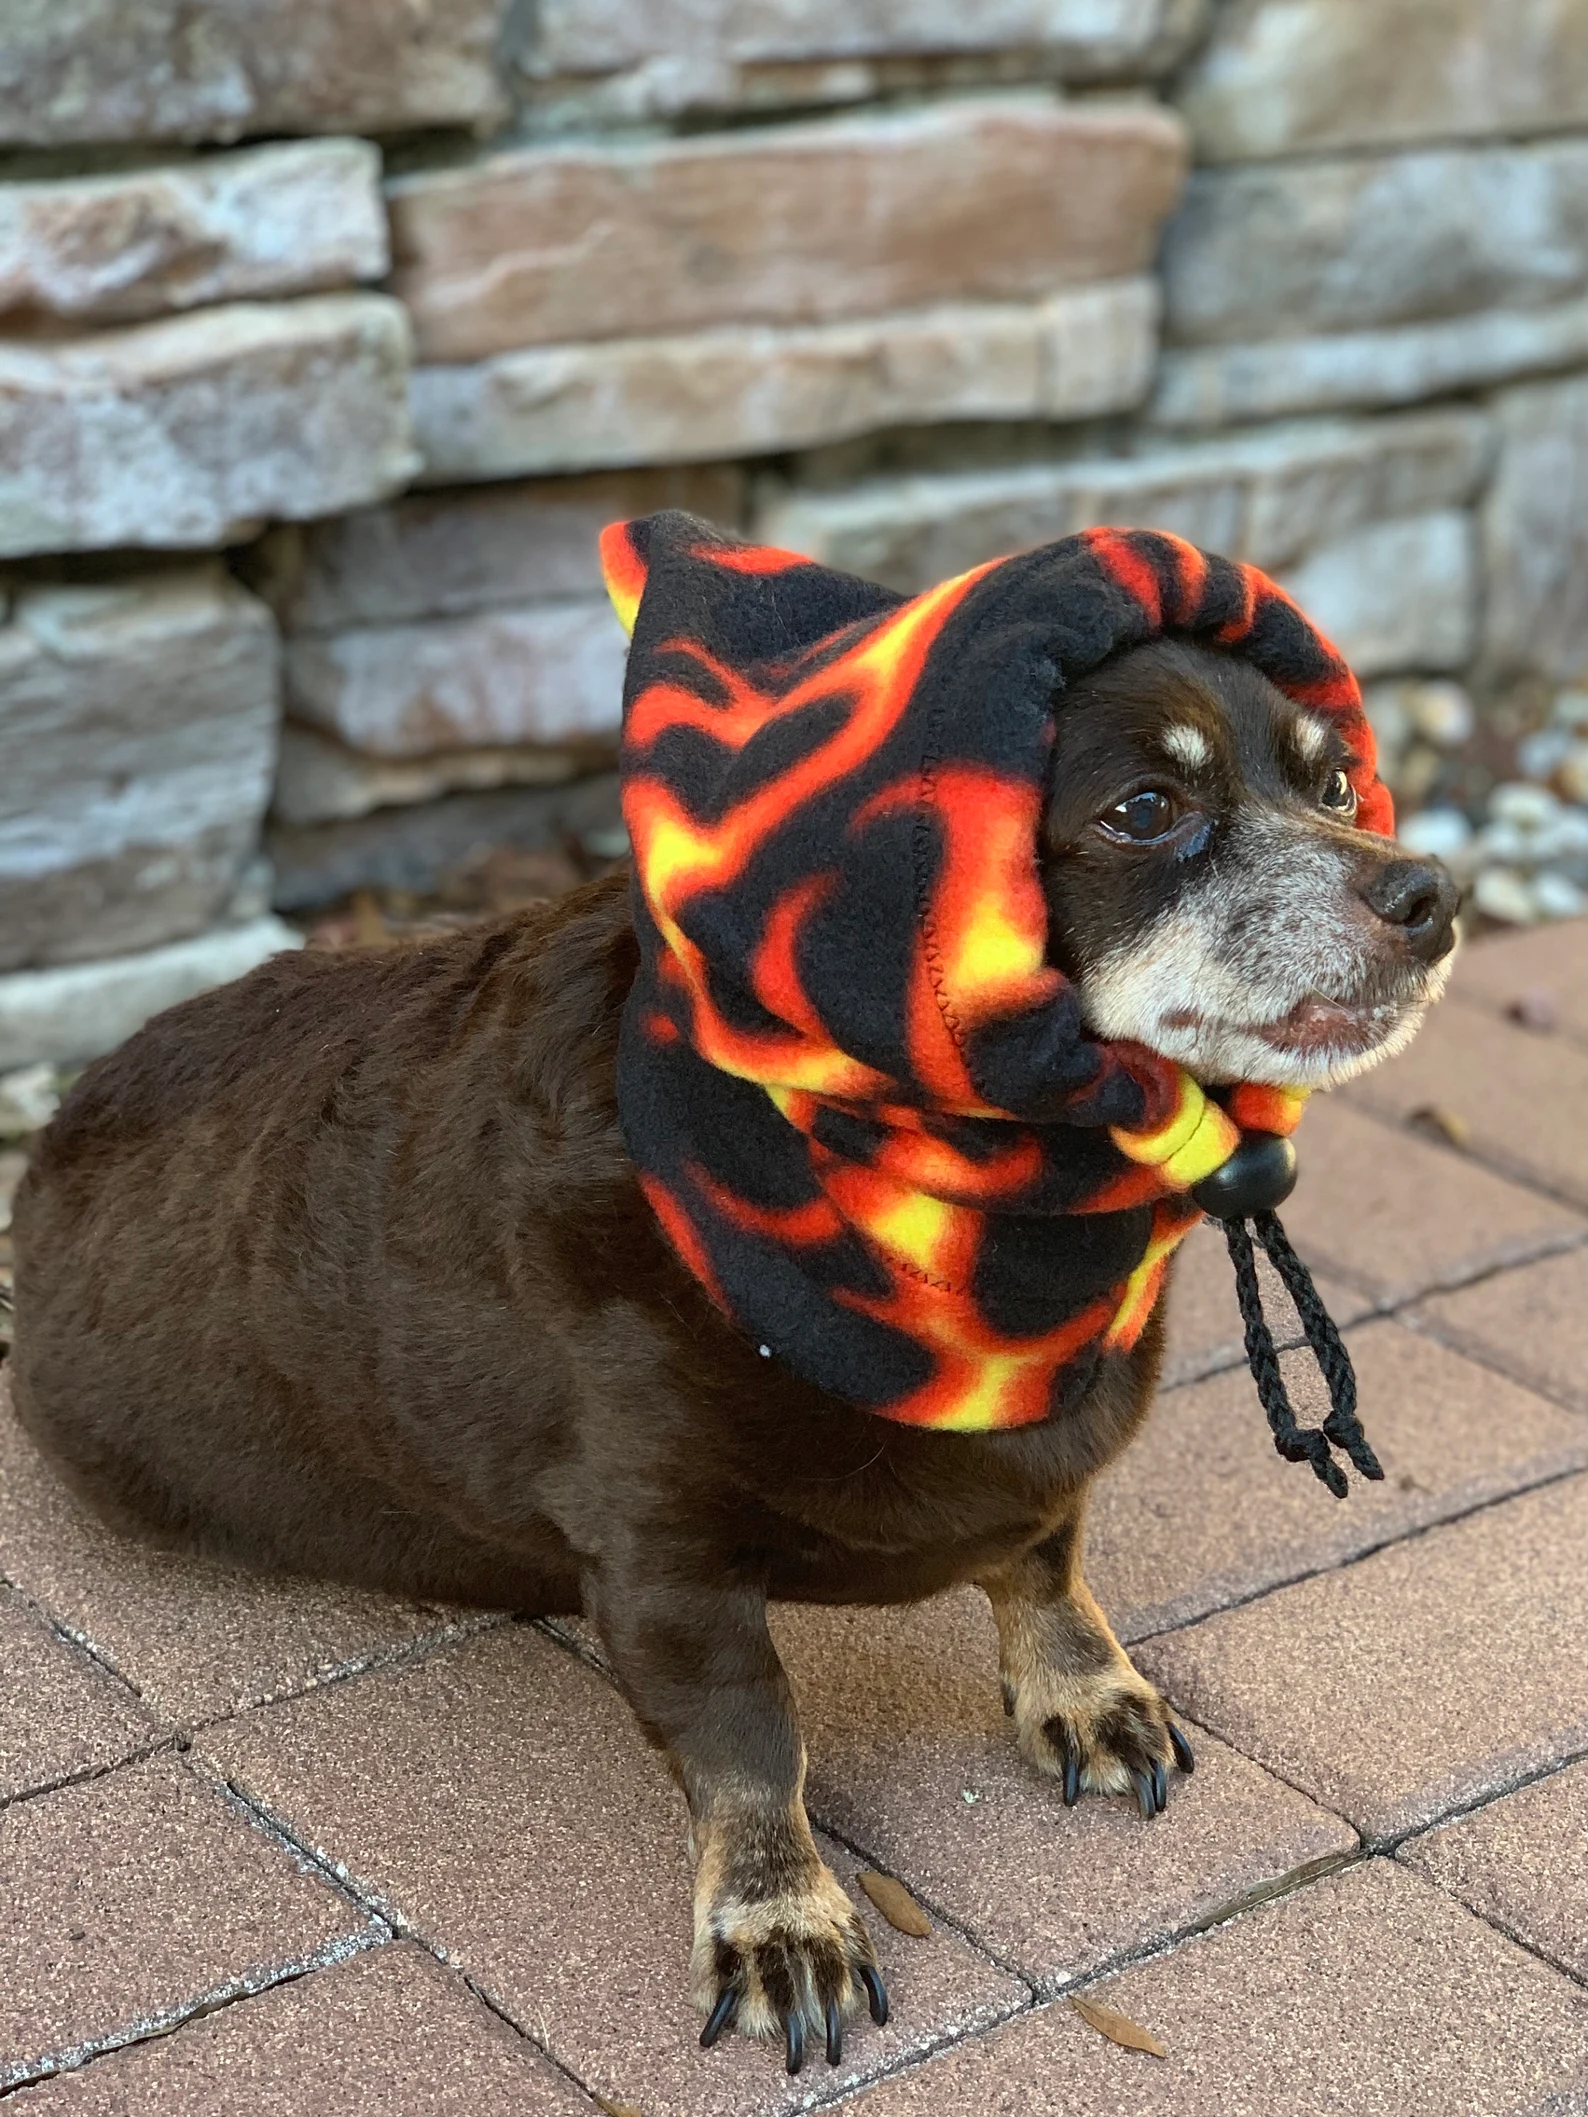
330,335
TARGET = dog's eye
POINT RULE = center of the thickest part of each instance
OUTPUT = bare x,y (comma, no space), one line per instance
1142,817
1338,793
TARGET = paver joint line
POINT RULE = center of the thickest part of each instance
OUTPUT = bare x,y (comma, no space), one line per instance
311,1861
1354,1558
1395,1843
1396,1305
71,1637
163,1745
408,1653
28,2072
1479,1150
303,1857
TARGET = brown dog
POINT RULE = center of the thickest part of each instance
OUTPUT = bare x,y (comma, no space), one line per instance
344,1270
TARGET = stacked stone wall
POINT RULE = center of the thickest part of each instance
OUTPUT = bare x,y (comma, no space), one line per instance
331,335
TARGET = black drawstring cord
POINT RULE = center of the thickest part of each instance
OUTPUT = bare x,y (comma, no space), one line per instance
1342,1428
1257,1177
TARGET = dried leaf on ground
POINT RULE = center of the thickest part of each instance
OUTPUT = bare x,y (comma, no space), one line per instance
617,2109
1117,2027
1536,1009
896,1904
1440,1123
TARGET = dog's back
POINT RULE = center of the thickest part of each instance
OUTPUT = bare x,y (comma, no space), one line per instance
240,1220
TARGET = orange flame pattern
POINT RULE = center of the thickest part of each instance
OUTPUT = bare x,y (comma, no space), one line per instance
862,1101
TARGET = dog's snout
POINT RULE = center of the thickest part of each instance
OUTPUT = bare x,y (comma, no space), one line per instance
1419,898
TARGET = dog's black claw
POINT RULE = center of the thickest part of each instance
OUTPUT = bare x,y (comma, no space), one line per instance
1072,1780
721,2017
835,2033
795,2029
1144,1799
876,1993
1160,1787
1184,1755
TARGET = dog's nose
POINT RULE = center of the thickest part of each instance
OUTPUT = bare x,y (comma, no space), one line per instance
1419,897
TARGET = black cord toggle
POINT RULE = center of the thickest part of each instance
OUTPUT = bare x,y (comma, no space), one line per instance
1248,1186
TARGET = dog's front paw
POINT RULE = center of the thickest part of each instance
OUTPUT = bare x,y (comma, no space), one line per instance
1107,1733
789,1960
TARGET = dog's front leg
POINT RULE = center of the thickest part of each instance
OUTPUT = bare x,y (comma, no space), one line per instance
1081,1709
779,1949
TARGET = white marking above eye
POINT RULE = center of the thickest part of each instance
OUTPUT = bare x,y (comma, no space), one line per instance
1311,737
1186,745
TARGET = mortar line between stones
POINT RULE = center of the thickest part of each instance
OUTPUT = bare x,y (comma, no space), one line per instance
408,1653
1393,1847
1496,1161
1514,1257
26,2073
71,1636
303,1857
179,1730
1489,1360
1037,1989
1498,1925
1356,1558
1129,1959
1393,1842
1393,1308
164,1745
397,1922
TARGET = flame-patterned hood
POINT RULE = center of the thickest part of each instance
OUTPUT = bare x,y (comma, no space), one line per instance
862,1102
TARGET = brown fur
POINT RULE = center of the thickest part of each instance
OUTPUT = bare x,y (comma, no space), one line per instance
343,1270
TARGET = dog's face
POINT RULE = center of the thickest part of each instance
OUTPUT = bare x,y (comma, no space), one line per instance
1207,889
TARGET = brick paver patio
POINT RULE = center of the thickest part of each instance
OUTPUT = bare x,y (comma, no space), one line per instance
269,1848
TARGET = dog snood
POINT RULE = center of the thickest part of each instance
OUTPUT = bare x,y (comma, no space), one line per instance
863,1104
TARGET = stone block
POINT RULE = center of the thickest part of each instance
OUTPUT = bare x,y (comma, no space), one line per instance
1507,1090
550,673
1398,595
440,554
754,389
1288,249
1201,1512
419,848
1501,972
970,201
683,53
137,70
1278,378
194,431
1282,77
288,219
77,1010
137,739
1535,533
1532,1324
1269,496
320,780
